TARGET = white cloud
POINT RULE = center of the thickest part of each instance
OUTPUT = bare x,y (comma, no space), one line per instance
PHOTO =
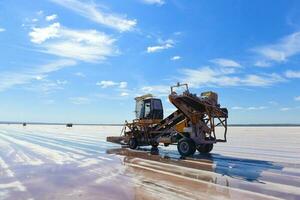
47,86
107,83
2,29
165,45
226,62
123,94
51,17
123,84
54,66
261,80
262,63
281,50
176,58
285,109
274,103
297,98
159,90
292,74
40,35
249,108
61,82
157,2
256,108
40,12
237,108
80,100
80,74
11,79
39,77
92,12
84,45
207,76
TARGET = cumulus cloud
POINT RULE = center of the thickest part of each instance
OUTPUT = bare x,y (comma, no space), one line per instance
156,2
108,83
176,58
281,50
51,17
226,62
207,76
164,45
40,35
83,45
292,74
94,13
297,98
2,29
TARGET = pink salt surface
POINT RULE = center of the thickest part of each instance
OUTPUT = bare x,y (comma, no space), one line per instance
55,162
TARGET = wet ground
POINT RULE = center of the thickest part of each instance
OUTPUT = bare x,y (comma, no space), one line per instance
55,162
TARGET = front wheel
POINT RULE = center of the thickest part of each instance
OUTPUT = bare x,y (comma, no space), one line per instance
205,148
133,144
186,147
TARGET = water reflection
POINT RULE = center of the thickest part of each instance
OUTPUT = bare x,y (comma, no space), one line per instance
226,166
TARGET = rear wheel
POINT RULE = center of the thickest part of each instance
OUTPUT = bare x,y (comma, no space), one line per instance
133,144
186,147
154,144
205,148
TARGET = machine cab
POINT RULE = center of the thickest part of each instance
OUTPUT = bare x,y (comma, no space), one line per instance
148,107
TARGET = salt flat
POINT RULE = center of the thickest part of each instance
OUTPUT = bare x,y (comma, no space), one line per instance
56,162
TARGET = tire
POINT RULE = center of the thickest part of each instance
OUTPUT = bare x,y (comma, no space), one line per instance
154,151
154,144
186,147
205,148
133,144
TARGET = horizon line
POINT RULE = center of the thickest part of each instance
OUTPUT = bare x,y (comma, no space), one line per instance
119,124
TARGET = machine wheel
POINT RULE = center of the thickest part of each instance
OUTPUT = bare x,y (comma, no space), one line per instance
133,144
205,148
186,147
154,151
154,144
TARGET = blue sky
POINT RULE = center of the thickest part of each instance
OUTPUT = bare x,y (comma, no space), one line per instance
85,61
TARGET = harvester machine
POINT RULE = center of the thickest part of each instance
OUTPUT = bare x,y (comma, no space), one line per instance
192,126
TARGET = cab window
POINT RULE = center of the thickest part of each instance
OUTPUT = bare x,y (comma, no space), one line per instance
147,109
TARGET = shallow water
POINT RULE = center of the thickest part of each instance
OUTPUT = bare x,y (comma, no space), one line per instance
55,162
